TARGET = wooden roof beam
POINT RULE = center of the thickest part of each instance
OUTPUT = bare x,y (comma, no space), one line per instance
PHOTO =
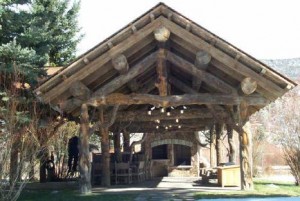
177,100
140,116
206,77
221,56
201,62
94,65
121,65
162,35
116,83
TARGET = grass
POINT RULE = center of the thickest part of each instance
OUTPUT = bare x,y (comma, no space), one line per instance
262,188
70,195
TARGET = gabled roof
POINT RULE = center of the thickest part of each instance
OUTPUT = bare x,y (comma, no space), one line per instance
228,66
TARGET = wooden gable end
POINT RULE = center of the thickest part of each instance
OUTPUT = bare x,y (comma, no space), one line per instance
164,59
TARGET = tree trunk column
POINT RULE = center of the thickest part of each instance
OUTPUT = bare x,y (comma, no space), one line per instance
232,148
246,158
212,147
84,162
117,147
219,130
105,157
126,138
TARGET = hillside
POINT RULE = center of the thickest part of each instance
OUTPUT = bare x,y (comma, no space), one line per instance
287,67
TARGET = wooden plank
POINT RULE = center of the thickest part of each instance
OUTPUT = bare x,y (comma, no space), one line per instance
101,60
223,57
123,79
176,100
208,78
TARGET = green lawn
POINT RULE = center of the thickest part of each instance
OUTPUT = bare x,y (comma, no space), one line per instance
72,196
263,188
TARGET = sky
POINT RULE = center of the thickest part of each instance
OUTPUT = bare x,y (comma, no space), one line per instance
265,29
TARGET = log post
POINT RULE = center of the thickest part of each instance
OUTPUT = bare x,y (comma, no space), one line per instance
213,147
219,130
126,140
84,161
246,157
117,147
201,62
105,152
162,34
232,148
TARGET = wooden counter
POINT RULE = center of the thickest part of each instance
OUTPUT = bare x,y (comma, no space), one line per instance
229,175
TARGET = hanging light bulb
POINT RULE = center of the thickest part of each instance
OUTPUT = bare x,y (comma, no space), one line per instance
149,110
157,127
162,110
168,111
166,127
181,111
177,120
157,121
170,126
179,126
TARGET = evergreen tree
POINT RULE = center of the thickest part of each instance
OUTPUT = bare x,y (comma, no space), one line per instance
53,30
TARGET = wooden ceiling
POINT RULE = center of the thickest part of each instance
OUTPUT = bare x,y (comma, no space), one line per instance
164,69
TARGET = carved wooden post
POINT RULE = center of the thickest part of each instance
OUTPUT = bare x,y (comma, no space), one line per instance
219,129
246,158
105,153
212,147
84,161
232,147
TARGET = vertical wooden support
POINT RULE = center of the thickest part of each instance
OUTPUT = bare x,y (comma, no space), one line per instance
84,161
213,147
232,148
105,153
126,139
219,130
246,157
117,147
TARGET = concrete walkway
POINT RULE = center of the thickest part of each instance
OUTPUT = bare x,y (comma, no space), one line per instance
166,188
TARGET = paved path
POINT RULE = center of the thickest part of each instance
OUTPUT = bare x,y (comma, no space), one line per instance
165,189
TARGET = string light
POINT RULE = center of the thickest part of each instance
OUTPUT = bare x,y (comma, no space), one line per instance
168,111
157,127
179,126
162,110
177,120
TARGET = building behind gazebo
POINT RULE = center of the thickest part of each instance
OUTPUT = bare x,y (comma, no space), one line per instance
163,60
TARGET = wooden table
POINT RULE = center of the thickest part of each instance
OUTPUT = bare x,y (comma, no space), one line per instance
229,175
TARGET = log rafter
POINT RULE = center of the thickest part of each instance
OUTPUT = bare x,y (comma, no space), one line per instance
175,100
206,77
223,57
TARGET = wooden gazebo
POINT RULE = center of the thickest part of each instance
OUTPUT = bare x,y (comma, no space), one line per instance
162,60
